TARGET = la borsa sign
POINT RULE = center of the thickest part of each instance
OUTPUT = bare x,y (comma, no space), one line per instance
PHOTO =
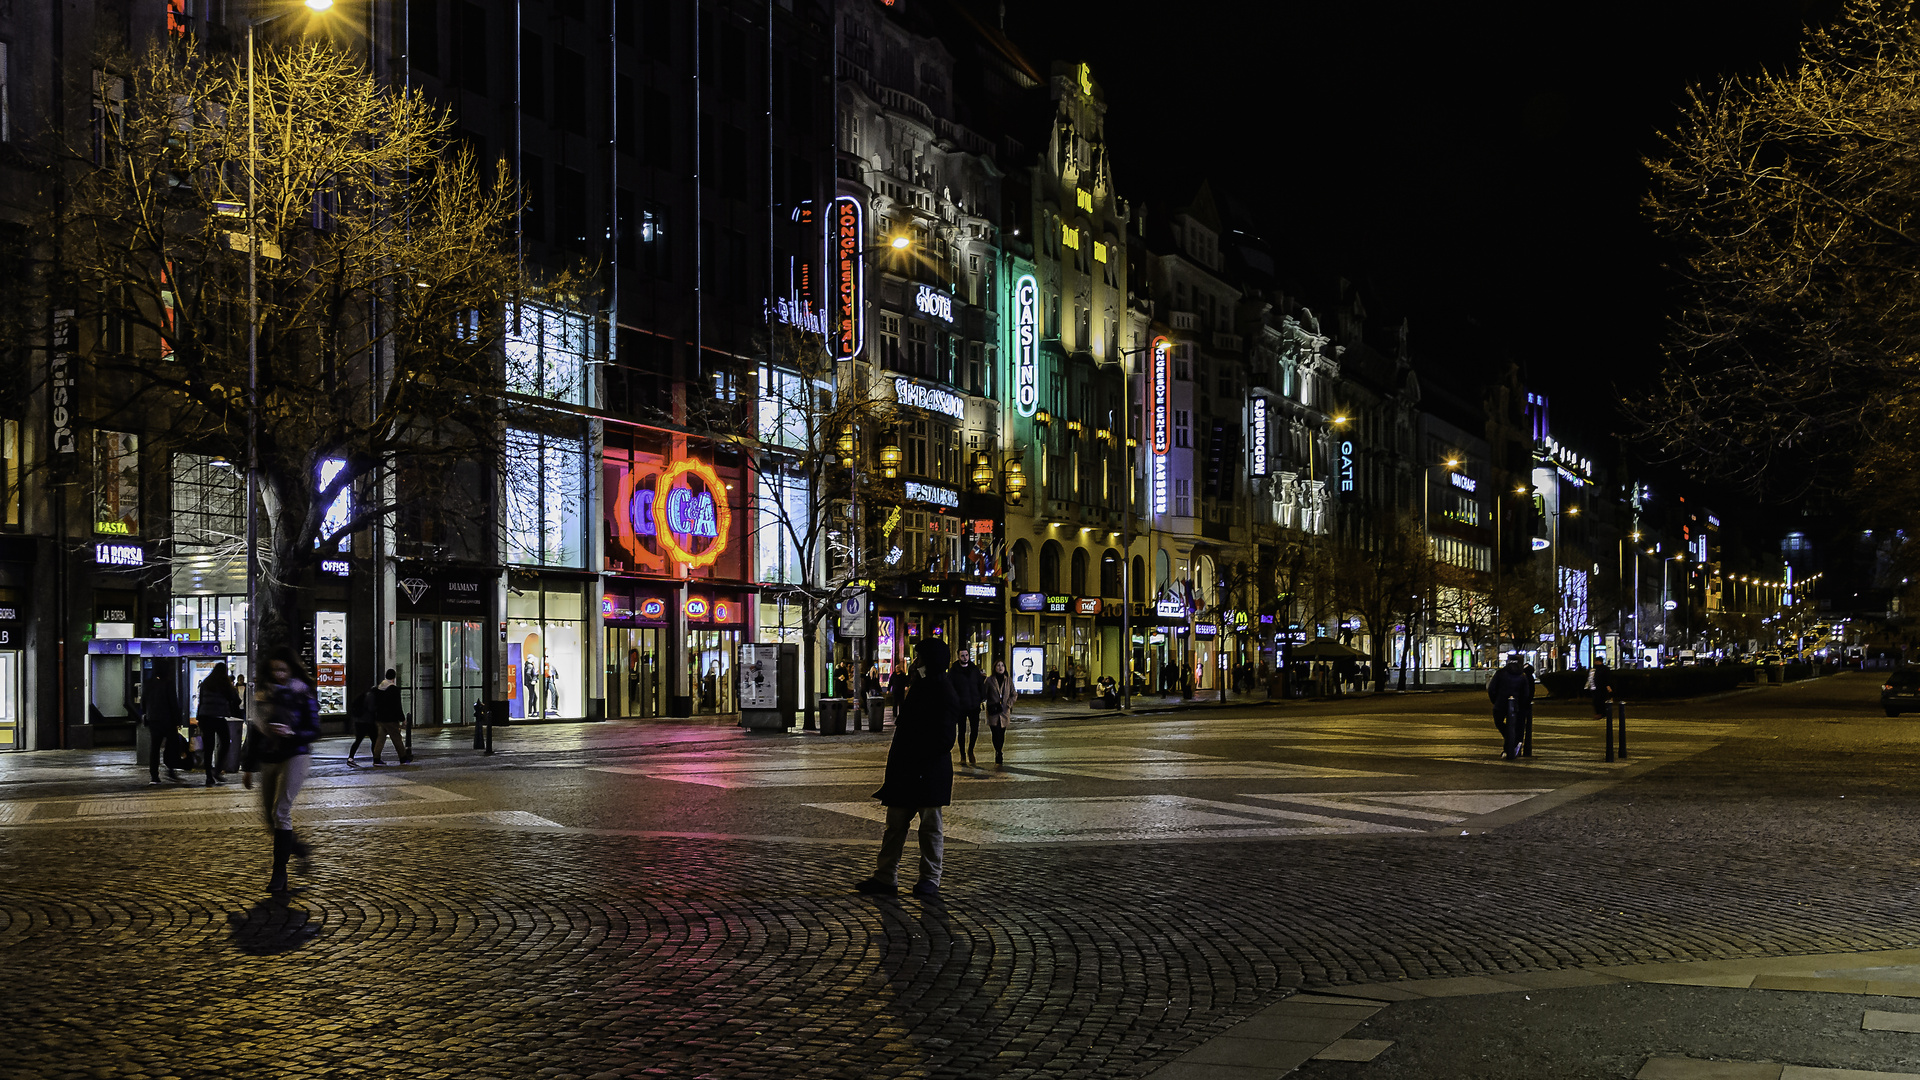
1026,345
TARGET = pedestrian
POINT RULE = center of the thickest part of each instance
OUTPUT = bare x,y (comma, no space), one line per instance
1072,680
360,714
160,712
1053,685
919,771
1600,686
285,722
218,703
1000,698
970,685
389,713
1511,691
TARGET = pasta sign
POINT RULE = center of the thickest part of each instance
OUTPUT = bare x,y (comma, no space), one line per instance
1026,345
684,514
849,289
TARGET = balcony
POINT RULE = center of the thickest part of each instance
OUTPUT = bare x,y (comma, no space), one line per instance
1225,342
1183,320
904,103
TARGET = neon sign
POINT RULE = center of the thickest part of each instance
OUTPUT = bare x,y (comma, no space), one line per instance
696,608
931,301
932,493
680,511
1259,436
1162,360
1346,467
1463,482
1026,345
849,287
931,398
653,608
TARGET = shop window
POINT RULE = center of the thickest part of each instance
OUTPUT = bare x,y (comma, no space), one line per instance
783,513
544,482
545,662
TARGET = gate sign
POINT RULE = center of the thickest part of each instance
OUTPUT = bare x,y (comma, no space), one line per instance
1346,468
1026,345
845,233
1162,360
683,515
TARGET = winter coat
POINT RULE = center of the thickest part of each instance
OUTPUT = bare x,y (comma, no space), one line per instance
387,706
1511,681
920,761
999,699
159,705
294,706
218,702
971,684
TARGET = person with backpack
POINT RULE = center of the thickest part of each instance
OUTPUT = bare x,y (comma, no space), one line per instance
360,715
160,712
1511,691
970,683
219,703
388,713
919,778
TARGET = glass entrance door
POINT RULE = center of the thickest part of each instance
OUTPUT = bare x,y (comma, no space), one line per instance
439,669
460,645
635,682
710,655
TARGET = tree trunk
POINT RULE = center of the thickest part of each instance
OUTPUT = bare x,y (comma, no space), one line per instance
809,648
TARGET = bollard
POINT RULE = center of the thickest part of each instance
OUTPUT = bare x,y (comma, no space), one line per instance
479,725
1607,716
1621,706
1526,727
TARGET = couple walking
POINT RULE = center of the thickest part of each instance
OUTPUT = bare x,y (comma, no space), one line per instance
377,716
930,702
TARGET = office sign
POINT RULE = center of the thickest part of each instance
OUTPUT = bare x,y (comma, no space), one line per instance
1026,345
1160,374
846,234
1259,441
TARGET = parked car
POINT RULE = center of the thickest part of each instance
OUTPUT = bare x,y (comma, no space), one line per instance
1901,691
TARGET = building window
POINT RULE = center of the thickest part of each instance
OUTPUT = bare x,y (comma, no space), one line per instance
1182,498
918,360
889,341
116,487
544,479
1180,427
547,353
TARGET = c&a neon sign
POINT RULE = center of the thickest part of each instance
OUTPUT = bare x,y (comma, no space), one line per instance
690,504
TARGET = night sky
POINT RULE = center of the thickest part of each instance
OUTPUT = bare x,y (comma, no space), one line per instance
1475,167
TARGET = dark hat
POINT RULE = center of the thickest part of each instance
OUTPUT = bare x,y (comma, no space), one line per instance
934,653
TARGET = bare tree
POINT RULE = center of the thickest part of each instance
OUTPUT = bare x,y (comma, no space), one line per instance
1384,581
384,272
808,441
1792,199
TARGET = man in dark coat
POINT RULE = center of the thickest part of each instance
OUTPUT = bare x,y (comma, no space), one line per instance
1600,688
160,712
1511,691
919,770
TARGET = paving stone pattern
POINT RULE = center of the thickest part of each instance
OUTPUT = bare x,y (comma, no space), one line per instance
510,953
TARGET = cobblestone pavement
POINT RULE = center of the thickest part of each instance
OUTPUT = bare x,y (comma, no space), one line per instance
607,939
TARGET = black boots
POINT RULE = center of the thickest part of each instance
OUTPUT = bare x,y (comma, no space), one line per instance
283,846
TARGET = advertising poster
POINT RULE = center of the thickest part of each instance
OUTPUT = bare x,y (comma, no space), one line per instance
330,660
884,656
1029,669
759,676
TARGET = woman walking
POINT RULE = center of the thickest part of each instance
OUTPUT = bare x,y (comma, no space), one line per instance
219,703
286,721
999,708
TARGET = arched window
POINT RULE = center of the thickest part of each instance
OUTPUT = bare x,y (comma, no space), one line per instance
1079,571
1022,551
1110,575
1162,572
1139,579
1050,567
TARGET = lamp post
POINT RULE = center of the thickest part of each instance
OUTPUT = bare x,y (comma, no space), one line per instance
253,359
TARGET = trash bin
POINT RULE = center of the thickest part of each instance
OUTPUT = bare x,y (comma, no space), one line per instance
876,712
833,716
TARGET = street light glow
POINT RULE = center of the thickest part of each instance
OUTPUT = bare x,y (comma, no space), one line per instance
319,5
899,242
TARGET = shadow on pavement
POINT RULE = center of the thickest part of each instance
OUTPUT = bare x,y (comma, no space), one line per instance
271,927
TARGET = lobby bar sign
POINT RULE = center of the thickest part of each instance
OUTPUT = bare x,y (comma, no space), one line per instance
849,286
1162,360
1026,345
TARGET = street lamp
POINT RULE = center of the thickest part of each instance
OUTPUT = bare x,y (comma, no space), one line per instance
253,357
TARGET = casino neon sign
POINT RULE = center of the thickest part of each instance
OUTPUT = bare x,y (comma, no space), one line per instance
683,513
1026,345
